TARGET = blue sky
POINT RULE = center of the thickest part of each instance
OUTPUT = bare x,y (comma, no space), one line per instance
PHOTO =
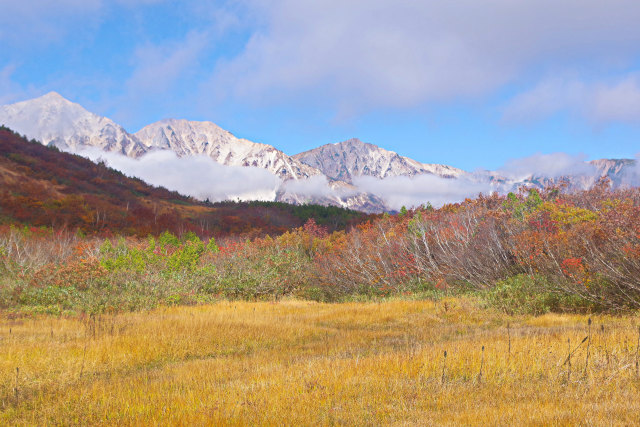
465,83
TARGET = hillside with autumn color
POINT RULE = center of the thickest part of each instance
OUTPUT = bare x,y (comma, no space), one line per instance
42,186
531,296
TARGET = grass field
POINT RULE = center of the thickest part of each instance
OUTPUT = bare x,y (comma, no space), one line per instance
303,363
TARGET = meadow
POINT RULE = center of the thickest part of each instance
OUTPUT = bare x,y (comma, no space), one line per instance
501,310
306,363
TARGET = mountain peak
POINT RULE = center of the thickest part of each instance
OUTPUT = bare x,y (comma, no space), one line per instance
354,143
350,141
55,96
186,138
52,99
357,145
188,124
54,120
353,158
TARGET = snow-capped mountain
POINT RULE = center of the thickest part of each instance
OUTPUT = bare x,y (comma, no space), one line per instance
194,138
323,191
328,175
619,171
53,120
353,158
299,181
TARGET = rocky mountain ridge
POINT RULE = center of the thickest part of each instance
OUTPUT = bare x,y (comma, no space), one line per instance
354,158
54,120
329,174
187,138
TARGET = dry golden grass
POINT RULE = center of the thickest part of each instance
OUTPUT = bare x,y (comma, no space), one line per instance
301,363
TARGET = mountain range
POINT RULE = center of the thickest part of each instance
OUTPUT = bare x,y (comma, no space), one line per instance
331,174
44,186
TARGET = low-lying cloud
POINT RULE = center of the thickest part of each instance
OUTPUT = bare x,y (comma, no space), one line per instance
197,176
398,191
312,187
553,165
630,175
203,178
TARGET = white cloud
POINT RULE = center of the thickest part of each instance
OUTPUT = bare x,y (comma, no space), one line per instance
44,21
553,165
630,176
159,70
197,176
619,102
363,54
315,186
597,102
158,67
413,191
203,178
359,55
547,98
398,191
10,91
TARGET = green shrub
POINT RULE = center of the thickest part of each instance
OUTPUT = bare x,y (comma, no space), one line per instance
167,240
527,294
124,257
65,297
186,258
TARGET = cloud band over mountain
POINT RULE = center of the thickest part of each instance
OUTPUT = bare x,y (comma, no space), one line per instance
202,160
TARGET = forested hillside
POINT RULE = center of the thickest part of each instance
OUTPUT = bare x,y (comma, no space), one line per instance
42,186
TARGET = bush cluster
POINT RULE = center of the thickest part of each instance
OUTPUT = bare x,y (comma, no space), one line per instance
529,252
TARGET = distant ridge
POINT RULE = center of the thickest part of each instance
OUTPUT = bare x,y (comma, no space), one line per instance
326,175
186,138
353,158
43,186
54,120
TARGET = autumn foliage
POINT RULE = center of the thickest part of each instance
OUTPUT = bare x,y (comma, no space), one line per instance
43,187
584,245
98,241
534,251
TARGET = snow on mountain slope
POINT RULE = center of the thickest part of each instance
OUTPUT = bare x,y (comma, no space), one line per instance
619,171
354,158
53,120
324,175
193,138
577,176
301,183
322,191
